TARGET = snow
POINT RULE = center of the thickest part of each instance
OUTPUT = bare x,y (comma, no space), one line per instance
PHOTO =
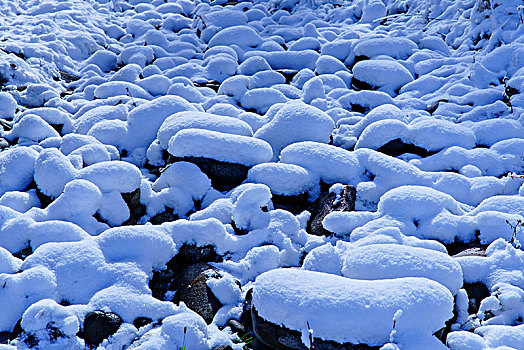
285,296
107,107
219,146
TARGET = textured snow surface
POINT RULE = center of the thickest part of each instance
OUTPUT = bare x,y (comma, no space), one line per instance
134,131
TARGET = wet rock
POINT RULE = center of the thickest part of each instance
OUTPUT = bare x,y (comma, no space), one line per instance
99,325
396,148
282,338
328,203
224,176
136,209
476,293
191,288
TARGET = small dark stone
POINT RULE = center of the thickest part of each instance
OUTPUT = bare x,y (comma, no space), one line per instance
163,217
282,338
245,318
99,325
136,209
326,204
140,322
224,176
476,293
236,327
433,107
396,148
191,288
68,77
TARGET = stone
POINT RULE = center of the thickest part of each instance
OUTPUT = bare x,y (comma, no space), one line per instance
187,255
326,204
191,288
99,325
136,209
166,216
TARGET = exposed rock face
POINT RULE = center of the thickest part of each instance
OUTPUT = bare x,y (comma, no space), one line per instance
328,203
99,325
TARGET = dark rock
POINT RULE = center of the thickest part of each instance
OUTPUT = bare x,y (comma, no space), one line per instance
99,325
166,216
191,288
190,254
326,204
24,253
224,176
236,327
58,127
476,293
396,148
140,322
245,317
282,338
433,107
294,204
136,209
68,77
187,255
